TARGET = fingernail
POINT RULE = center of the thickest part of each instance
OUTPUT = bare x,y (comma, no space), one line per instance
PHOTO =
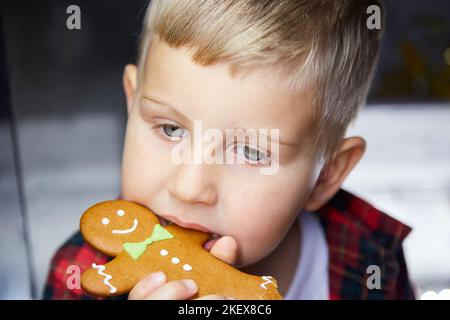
158,278
190,284
230,298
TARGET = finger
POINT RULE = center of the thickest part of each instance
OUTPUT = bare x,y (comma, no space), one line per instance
174,290
215,297
147,286
225,249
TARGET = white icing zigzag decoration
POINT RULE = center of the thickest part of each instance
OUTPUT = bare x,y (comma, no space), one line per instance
108,277
267,280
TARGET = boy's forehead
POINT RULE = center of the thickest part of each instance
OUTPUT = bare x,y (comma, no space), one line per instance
206,93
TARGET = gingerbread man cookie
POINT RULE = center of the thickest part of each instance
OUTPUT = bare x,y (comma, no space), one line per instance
131,234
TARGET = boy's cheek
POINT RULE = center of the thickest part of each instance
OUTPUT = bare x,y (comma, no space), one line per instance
143,161
251,251
139,182
255,239
140,176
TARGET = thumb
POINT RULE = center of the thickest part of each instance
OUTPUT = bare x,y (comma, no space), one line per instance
225,249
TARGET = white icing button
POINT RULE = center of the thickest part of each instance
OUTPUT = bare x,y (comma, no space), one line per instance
120,213
187,267
105,221
164,252
175,260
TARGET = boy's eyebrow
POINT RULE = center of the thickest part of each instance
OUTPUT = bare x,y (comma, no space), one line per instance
175,110
268,136
167,105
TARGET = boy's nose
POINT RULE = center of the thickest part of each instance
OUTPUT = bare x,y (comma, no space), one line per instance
193,184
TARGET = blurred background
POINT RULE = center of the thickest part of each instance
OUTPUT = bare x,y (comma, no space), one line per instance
62,122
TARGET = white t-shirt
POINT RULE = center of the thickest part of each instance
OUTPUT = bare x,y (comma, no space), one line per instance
310,281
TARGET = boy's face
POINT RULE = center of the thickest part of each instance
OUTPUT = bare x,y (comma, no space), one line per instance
228,199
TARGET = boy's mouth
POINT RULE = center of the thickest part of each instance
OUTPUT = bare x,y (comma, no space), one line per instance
213,237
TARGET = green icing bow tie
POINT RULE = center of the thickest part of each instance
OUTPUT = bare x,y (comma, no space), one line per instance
136,249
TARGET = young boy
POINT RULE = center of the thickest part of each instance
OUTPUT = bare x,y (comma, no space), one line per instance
300,67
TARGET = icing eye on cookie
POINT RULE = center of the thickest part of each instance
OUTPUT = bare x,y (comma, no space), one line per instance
120,213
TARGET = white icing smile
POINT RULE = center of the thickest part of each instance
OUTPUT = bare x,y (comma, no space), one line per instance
135,224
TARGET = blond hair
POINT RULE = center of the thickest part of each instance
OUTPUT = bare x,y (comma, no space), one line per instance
324,45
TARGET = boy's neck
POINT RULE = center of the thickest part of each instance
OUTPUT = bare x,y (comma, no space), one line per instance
282,262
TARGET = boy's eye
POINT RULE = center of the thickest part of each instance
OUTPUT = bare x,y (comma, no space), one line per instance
172,131
252,155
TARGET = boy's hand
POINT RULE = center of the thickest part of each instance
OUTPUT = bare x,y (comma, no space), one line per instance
156,287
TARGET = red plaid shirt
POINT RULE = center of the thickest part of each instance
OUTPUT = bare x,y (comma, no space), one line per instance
358,236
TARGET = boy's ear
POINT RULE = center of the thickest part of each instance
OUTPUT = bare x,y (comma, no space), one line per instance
129,84
335,171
